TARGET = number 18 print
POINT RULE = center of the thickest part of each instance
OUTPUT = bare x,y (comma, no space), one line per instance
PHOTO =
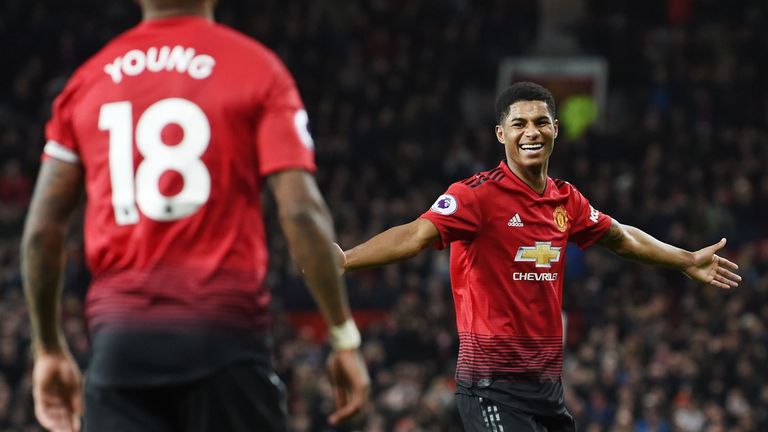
143,187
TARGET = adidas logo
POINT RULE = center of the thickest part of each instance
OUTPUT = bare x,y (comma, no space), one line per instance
515,221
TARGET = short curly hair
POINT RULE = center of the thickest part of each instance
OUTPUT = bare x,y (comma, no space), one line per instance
523,90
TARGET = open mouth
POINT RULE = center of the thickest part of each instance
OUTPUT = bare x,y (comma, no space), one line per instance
532,147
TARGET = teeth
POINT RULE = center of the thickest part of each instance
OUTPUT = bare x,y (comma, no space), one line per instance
531,146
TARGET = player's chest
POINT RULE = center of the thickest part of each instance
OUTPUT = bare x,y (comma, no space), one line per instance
511,225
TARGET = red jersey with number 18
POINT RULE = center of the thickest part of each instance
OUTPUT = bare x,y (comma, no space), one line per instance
176,123
507,261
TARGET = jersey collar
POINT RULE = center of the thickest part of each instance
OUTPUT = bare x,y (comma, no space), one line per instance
523,185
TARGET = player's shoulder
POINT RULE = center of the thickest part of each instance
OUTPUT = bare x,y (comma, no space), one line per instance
562,185
480,180
93,66
248,48
217,35
565,188
248,52
241,40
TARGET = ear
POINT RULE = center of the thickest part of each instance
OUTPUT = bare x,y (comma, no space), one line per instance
500,134
556,125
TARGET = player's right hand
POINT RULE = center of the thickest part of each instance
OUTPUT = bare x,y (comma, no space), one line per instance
57,388
711,269
351,384
341,258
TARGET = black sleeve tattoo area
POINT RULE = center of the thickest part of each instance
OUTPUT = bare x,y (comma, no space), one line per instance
613,238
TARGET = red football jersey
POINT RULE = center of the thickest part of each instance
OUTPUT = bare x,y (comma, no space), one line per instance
176,123
507,261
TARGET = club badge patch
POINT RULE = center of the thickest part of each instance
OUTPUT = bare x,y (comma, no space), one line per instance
445,205
560,217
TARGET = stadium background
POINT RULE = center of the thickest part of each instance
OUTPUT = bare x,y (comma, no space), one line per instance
393,89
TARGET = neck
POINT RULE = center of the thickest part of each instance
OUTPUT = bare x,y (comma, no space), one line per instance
203,9
534,177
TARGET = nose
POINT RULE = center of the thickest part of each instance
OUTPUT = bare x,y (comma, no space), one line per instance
531,131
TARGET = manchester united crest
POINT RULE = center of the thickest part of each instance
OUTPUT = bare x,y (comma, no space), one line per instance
561,218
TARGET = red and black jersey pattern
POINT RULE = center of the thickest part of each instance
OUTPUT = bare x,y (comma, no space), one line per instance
508,246
142,299
174,261
508,358
212,257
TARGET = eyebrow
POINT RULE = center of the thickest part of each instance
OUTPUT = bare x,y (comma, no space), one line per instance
525,119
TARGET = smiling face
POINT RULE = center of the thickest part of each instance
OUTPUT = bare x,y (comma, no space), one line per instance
528,133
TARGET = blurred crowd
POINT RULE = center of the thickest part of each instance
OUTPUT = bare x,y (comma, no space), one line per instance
681,154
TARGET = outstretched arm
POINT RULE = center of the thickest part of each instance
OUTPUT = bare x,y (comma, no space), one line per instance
308,229
394,244
702,265
56,378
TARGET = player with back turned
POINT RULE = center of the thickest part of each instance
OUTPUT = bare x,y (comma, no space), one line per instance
173,129
507,229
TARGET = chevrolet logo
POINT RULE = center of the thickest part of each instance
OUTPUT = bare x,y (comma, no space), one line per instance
543,254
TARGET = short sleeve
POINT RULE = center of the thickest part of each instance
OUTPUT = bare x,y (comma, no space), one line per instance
282,135
61,143
587,224
456,215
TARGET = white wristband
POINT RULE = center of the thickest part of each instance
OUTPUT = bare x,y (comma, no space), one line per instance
345,335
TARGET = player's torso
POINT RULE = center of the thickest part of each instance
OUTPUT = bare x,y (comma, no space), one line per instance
513,268
163,135
507,262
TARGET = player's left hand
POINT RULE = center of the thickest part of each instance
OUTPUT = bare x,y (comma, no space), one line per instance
341,258
57,389
712,269
351,384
